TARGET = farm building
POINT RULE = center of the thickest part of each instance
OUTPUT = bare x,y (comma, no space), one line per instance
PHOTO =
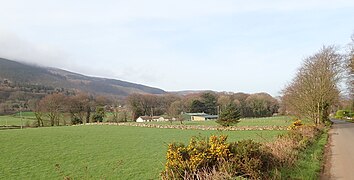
199,117
150,118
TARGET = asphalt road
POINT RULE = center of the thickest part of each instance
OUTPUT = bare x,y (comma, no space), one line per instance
342,150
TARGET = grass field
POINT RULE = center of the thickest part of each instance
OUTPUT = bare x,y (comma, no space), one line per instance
268,121
26,119
14,120
96,152
29,118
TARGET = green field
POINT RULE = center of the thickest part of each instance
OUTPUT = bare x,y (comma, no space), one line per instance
267,121
16,120
29,118
96,152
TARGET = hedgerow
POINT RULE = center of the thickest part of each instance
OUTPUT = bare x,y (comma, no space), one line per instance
215,158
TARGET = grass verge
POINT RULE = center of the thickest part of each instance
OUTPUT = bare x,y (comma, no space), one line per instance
309,164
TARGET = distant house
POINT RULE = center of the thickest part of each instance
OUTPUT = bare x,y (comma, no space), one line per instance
199,117
150,119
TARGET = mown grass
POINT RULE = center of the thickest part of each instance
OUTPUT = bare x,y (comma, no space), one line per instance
96,152
309,163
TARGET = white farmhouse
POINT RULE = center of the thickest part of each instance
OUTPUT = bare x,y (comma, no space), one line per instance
150,119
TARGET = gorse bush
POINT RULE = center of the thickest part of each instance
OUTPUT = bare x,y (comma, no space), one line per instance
216,158
295,124
250,159
198,154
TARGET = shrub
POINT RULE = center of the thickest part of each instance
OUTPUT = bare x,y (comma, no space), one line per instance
34,124
99,115
27,124
285,149
216,157
295,124
251,159
75,120
197,155
341,114
97,118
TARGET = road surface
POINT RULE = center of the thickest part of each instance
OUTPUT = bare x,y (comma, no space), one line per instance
342,151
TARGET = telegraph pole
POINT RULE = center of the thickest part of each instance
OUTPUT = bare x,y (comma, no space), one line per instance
21,117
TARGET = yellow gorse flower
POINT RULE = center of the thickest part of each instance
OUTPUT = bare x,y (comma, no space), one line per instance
198,153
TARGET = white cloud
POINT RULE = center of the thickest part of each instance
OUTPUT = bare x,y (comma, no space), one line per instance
92,11
163,43
15,48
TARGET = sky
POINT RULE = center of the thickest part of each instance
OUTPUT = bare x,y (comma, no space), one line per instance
221,45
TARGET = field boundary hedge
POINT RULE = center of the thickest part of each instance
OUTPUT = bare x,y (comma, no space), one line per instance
218,159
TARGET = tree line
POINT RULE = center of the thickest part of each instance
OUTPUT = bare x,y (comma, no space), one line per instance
54,109
249,105
315,92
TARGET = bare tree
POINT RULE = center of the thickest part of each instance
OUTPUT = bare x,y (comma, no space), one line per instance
350,70
240,100
38,112
175,111
315,88
261,105
135,102
149,105
77,106
52,105
223,101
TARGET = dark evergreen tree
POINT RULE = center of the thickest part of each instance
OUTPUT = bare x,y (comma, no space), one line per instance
229,116
197,106
210,102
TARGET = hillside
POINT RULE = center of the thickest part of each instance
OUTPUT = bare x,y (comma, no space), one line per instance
20,73
188,92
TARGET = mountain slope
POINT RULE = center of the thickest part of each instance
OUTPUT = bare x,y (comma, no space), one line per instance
28,74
